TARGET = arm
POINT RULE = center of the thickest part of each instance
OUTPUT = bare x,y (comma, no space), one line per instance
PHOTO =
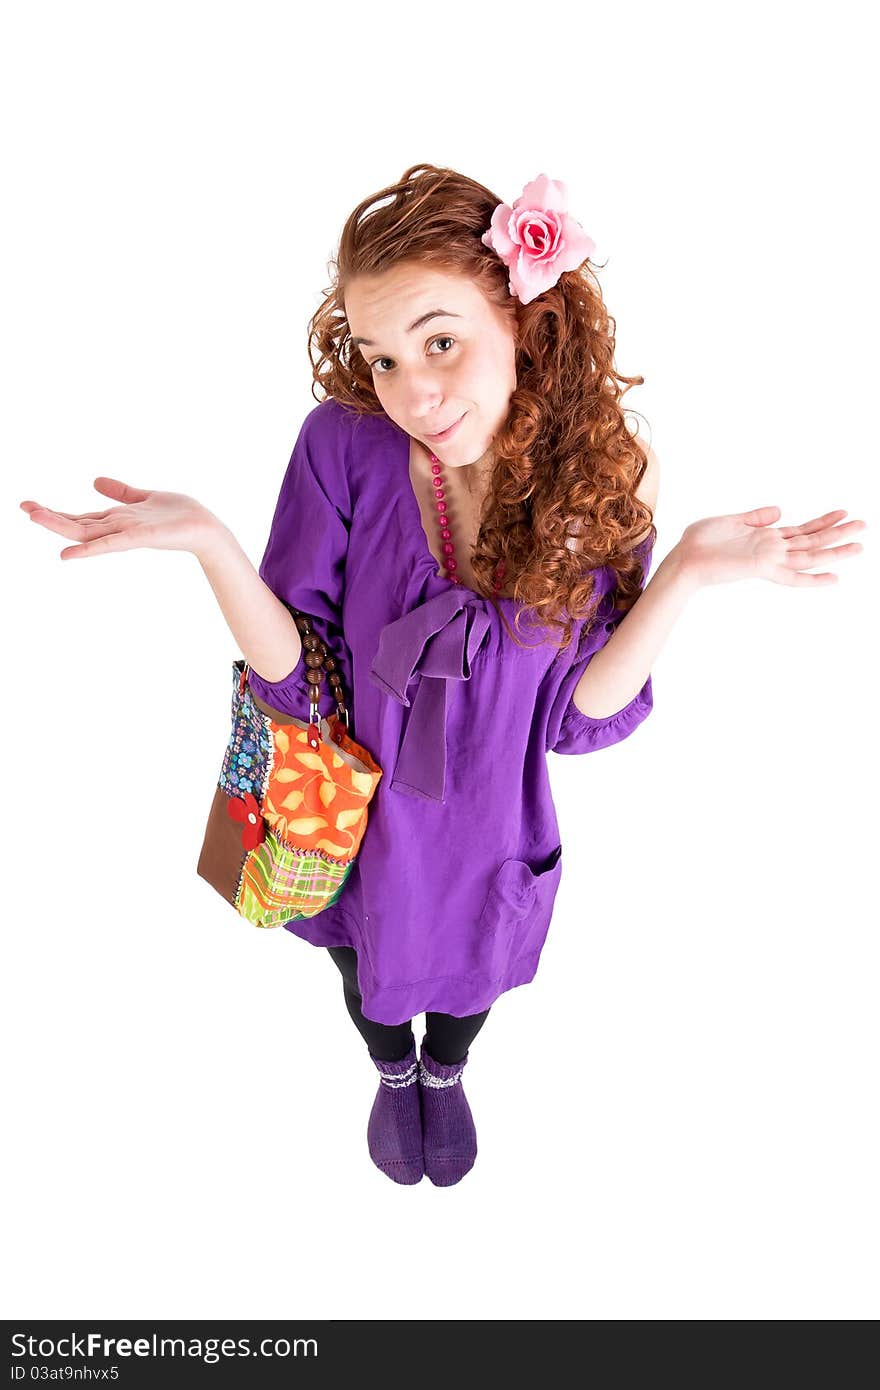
617,672
263,628
304,563
571,729
611,683
714,550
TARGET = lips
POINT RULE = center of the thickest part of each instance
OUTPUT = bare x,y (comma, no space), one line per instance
441,434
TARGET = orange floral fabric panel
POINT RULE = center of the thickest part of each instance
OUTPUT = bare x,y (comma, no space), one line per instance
319,802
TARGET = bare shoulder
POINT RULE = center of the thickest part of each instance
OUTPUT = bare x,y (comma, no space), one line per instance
649,487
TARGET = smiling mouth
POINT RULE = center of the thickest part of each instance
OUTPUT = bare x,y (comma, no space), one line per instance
441,433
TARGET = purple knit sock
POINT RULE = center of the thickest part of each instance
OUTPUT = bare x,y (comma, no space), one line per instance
449,1134
394,1132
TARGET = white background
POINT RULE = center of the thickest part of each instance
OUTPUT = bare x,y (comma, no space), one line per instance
677,1119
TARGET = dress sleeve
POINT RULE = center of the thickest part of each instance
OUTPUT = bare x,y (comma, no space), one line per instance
569,730
305,557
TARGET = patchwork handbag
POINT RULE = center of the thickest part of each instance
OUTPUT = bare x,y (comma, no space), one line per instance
290,809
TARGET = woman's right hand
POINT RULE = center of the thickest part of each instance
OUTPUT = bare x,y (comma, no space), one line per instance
155,520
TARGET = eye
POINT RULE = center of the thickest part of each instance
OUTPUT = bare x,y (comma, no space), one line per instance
442,338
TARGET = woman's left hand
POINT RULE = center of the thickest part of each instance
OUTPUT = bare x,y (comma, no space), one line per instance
745,545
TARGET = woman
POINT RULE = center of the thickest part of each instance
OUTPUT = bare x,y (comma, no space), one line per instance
468,524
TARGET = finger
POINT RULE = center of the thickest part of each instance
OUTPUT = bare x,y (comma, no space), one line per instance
73,529
798,580
760,516
73,516
806,559
807,528
827,535
123,492
102,545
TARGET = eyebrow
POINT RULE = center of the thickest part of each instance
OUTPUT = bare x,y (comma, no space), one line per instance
431,314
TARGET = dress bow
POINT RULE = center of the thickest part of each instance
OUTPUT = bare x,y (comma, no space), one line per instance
437,642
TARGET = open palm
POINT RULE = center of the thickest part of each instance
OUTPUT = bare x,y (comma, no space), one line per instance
744,545
155,520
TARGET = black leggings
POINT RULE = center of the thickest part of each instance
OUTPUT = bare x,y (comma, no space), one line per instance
447,1038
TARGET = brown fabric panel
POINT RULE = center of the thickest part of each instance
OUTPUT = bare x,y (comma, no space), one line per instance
222,855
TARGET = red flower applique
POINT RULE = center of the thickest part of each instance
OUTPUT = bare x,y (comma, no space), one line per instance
247,810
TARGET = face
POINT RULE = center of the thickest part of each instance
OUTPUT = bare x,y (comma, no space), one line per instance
460,363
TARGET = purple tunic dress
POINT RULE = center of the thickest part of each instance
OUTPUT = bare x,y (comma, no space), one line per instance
450,898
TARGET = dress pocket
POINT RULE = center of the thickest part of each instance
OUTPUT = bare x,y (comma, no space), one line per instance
517,911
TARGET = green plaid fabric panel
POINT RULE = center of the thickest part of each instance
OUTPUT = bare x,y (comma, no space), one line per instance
280,884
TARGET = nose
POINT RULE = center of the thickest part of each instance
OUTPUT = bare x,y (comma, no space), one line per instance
425,405
429,412
423,395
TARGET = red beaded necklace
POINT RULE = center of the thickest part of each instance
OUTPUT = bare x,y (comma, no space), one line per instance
445,530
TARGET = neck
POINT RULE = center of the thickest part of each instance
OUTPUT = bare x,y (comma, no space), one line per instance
479,473
473,477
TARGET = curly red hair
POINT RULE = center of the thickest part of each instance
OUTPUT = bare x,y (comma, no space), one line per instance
562,496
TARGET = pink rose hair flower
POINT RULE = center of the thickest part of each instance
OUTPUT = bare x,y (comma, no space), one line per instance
537,239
